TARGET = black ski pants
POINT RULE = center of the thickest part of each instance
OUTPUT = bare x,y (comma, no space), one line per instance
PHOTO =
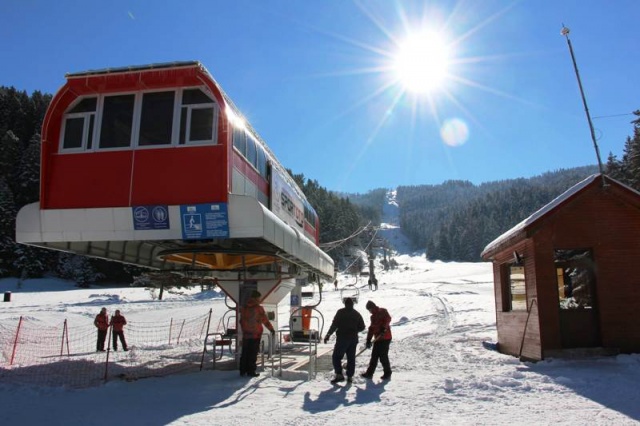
379,352
249,356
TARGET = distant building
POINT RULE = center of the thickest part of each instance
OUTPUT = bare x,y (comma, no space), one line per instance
566,278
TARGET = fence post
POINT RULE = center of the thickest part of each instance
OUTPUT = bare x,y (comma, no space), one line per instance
106,363
15,342
205,342
170,328
180,333
64,331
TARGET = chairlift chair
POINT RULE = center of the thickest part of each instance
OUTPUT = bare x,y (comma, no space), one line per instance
350,292
300,325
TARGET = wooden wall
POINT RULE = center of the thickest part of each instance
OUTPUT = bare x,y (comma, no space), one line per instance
607,221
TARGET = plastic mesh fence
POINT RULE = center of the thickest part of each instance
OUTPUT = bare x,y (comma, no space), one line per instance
33,352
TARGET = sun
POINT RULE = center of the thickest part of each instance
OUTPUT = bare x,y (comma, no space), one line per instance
422,62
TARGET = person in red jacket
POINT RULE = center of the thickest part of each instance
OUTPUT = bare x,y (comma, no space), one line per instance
102,324
118,322
252,318
380,328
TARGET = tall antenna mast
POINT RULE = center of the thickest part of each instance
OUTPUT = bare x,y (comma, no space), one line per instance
565,32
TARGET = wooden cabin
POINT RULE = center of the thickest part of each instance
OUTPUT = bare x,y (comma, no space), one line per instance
565,277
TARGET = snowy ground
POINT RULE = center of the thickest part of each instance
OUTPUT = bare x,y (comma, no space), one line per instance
443,374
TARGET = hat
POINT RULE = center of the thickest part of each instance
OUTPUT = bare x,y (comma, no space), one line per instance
255,294
370,305
348,302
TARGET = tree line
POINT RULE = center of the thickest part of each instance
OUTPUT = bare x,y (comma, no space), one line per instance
455,220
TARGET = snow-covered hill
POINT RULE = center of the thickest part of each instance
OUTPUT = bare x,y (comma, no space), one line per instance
443,369
390,226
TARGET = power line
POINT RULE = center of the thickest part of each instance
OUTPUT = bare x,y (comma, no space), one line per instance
614,115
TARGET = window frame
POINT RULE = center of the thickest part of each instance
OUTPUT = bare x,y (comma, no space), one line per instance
86,116
507,292
173,119
134,143
135,122
190,107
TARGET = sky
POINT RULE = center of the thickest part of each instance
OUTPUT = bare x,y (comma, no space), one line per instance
360,95
445,367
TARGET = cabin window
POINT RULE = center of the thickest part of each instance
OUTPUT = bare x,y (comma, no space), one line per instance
515,293
198,117
78,125
262,163
252,154
575,277
156,119
117,121
240,140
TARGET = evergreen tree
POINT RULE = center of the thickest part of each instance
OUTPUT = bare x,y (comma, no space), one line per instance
7,228
9,153
77,268
28,173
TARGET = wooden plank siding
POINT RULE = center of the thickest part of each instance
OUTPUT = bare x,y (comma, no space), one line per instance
511,325
603,220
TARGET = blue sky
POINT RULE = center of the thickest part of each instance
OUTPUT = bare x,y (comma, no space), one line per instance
320,80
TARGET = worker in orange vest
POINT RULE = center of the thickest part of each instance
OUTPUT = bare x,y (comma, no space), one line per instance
118,322
252,318
102,324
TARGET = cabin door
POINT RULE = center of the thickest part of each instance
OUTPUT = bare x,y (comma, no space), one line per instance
579,324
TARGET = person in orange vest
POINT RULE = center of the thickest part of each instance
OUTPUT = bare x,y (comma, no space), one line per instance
118,322
252,318
102,324
380,328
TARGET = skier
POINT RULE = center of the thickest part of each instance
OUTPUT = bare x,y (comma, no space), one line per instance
347,323
381,328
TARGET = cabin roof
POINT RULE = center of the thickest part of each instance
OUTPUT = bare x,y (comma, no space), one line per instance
114,70
518,231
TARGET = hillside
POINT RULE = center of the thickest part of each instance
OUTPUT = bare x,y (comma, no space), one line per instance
455,220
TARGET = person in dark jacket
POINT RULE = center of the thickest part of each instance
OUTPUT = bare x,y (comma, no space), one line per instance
347,323
380,328
252,318
102,324
118,322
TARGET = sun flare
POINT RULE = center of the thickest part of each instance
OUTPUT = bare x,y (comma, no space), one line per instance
422,62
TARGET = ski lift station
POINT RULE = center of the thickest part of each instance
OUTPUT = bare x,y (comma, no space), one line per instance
155,166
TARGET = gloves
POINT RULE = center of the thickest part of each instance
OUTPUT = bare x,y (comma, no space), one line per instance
369,344
326,339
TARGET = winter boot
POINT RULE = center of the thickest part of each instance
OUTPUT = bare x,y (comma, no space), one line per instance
386,376
367,375
338,378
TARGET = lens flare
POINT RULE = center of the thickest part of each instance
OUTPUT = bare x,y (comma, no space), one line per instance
454,132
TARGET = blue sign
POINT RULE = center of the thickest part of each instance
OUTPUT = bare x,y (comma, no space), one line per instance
150,217
204,221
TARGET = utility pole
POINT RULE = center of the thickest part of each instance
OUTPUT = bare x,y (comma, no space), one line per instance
565,32
372,273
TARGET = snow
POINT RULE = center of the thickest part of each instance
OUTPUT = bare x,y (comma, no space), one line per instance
445,367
